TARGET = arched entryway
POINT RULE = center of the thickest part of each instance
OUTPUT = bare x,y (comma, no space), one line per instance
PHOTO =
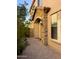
38,28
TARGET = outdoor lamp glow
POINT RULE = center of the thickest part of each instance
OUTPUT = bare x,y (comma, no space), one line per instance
41,22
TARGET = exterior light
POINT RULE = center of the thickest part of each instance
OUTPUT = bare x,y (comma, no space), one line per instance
41,22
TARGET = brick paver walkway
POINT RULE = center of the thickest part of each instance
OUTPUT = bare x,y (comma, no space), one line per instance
36,50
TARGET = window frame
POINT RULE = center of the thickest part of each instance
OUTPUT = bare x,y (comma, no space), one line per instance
53,23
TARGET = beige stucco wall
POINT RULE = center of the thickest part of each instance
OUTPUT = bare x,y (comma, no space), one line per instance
59,27
56,44
38,26
33,8
55,5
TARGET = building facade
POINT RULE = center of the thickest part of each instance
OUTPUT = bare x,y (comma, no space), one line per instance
46,22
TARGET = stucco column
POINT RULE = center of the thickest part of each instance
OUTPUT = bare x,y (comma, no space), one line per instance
45,24
45,21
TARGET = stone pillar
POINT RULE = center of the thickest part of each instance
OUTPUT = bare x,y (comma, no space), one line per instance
45,30
45,24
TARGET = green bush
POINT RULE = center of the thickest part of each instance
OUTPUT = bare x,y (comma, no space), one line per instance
20,46
21,29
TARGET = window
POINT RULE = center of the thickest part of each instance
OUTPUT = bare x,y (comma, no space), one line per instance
54,27
54,31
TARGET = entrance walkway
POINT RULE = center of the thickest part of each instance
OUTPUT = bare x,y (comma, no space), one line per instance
36,50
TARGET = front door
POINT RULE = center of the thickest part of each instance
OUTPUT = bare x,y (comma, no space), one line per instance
36,30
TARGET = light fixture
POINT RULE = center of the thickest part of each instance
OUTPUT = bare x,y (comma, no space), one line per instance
41,22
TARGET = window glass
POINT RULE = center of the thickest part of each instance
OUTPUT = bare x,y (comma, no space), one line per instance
54,27
54,31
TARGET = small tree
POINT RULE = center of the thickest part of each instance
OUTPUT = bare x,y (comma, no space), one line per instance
21,29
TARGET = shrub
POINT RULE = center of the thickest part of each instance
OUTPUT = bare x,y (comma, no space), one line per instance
21,29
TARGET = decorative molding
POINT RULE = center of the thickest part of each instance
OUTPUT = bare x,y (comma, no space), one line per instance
56,12
46,9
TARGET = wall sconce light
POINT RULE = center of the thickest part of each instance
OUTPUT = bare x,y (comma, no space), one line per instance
41,22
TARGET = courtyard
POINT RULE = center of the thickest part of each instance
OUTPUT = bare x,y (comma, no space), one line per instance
36,50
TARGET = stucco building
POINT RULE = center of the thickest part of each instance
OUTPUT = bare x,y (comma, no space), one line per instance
45,22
